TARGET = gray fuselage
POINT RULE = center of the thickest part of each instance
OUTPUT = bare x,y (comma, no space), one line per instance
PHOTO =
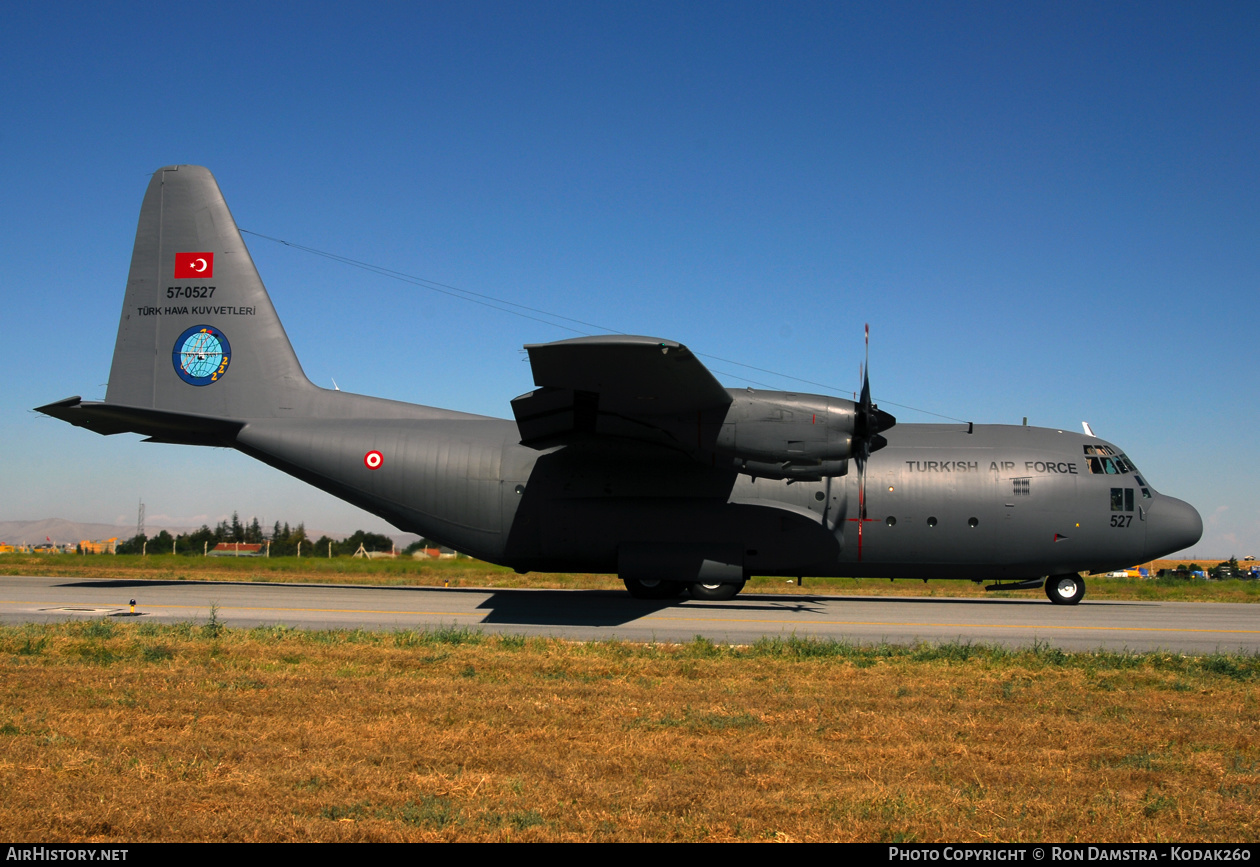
942,501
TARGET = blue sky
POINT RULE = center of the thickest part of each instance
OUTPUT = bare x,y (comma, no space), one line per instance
1048,210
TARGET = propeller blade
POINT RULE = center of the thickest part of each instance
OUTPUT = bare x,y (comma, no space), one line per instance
867,425
870,419
868,422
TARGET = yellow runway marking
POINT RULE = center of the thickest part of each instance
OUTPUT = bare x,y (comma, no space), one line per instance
956,625
339,610
224,608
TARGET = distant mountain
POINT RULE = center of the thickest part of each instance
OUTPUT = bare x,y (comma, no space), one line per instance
61,531
65,532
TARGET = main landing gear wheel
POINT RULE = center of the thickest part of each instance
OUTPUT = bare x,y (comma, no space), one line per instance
716,592
652,588
1065,589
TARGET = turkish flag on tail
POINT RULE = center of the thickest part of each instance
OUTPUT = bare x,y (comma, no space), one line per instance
194,266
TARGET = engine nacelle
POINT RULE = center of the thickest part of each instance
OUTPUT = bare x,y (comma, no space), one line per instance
767,434
784,435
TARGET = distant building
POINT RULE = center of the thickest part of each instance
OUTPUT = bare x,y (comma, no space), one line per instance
105,546
442,553
236,549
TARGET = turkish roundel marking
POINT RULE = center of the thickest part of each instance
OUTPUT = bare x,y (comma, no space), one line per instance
373,460
194,266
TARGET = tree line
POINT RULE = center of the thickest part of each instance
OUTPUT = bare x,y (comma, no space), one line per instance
285,540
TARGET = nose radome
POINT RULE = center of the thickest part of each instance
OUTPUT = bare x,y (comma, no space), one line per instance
1171,526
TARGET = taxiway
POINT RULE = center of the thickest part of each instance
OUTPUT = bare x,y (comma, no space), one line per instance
1183,627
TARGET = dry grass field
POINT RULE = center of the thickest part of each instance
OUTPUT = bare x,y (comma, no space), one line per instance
125,732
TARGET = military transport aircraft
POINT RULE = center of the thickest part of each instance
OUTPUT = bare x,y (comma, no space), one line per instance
629,457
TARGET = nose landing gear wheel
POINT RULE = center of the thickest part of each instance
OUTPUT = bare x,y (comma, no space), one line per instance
1065,589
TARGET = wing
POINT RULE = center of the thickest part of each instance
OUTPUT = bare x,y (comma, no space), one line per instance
639,387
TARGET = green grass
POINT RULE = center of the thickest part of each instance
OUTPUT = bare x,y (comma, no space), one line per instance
474,573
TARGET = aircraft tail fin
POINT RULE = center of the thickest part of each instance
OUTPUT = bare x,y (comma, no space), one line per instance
198,333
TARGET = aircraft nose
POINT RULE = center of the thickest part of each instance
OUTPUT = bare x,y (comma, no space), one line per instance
1171,526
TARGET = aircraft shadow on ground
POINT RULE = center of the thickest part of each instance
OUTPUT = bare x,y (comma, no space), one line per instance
612,608
568,608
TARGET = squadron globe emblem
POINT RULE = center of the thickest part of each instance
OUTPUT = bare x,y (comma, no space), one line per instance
201,355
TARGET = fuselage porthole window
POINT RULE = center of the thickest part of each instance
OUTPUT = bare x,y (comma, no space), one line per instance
973,522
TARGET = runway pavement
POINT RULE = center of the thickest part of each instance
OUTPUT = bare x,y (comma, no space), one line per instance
1184,627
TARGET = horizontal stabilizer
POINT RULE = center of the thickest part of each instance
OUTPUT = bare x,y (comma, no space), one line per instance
158,425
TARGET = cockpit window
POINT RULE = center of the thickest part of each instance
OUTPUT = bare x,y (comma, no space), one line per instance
1104,460
1122,499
